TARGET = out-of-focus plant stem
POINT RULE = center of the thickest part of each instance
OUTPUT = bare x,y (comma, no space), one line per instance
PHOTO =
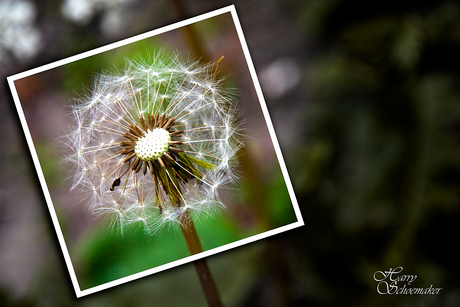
190,35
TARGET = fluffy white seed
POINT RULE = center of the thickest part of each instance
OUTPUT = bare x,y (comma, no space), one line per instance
182,89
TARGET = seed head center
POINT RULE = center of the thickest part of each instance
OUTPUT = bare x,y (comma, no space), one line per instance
153,145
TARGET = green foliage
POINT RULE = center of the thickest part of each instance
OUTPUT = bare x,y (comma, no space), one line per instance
279,205
105,256
82,71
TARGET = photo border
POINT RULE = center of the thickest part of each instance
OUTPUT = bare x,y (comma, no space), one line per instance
229,9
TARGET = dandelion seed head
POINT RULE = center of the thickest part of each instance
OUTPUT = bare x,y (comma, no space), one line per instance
154,140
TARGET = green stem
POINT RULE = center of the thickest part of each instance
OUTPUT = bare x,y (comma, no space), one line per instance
201,266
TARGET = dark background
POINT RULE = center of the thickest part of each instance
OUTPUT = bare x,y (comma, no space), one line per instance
364,98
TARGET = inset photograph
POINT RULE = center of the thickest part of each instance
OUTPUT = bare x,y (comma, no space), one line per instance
156,151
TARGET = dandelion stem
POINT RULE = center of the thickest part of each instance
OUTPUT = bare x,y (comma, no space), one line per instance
201,266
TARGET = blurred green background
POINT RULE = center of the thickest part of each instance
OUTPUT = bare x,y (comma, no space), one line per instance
364,97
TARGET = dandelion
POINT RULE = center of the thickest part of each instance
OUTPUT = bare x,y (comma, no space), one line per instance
154,145
155,141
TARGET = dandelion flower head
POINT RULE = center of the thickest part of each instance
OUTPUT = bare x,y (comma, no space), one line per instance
155,140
